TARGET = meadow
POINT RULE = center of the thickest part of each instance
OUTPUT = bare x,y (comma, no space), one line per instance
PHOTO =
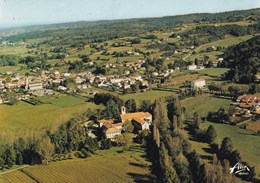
27,120
243,140
148,95
203,104
215,72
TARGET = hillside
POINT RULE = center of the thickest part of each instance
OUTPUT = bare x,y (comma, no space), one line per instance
128,27
244,61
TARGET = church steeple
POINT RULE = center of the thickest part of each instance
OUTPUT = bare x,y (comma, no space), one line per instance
123,110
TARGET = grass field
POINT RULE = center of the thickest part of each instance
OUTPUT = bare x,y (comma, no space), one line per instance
243,140
148,95
203,104
107,166
214,71
62,101
26,120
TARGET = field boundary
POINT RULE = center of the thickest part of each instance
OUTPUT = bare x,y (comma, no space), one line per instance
19,168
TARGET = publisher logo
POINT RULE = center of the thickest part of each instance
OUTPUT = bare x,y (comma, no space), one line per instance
239,169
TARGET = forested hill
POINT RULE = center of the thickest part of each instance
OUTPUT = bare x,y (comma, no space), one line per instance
109,29
244,60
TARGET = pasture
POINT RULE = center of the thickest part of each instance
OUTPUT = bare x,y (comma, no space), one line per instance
215,72
203,104
243,140
27,120
148,95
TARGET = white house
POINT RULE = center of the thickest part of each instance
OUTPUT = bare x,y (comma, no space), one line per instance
192,67
200,83
141,124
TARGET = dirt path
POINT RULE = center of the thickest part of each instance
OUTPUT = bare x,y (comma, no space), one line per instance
8,171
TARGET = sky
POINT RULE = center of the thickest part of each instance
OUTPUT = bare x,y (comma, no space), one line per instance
29,12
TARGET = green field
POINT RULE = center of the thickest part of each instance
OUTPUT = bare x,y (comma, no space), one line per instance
214,71
62,101
148,95
203,104
107,166
243,140
26,120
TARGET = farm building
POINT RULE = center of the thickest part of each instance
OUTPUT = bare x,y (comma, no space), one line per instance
200,83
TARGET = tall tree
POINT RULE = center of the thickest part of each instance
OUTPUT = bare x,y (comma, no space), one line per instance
146,106
197,121
46,149
130,105
225,149
211,134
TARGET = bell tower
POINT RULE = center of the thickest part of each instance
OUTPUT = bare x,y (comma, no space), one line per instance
123,110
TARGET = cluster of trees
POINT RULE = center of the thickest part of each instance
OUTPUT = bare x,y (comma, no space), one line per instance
112,104
183,94
208,135
155,63
76,66
168,148
58,50
170,152
70,137
214,33
100,70
9,60
19,152
243,59
180,64
218,117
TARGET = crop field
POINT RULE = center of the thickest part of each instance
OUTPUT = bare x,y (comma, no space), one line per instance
15,176
107,166
25,120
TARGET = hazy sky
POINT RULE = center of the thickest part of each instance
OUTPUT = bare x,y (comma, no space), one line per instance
19,12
